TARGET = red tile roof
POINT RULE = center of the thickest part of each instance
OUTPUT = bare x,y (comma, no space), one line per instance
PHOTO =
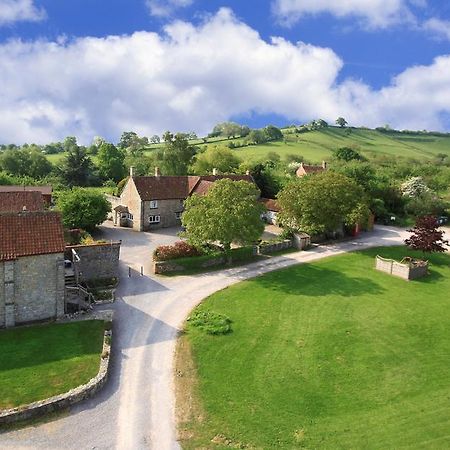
270,204
44,190
306,169
178,187
17,201
30,233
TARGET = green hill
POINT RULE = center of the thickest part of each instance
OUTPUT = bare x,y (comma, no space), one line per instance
315,146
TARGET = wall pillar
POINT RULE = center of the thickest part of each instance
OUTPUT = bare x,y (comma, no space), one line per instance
60,287
10,314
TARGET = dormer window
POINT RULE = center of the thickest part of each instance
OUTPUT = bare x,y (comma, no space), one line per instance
153,204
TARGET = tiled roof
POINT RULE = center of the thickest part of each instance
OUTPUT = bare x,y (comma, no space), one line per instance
44,190
178,187
30,233
270,204
305,169
20,200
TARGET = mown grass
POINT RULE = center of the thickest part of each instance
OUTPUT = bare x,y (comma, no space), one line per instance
40,361
329,355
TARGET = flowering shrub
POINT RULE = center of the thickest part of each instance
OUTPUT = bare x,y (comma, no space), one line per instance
180,249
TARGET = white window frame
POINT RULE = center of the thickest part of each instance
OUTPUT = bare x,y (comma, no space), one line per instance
154,219
153,204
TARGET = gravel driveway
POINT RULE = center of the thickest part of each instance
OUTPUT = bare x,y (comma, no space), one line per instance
135,410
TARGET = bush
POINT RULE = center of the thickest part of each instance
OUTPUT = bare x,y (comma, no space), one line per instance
241,254
210,322
180,249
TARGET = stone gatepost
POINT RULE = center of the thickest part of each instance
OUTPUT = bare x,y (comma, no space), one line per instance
10,313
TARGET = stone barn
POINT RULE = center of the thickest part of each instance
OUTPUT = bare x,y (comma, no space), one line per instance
31,267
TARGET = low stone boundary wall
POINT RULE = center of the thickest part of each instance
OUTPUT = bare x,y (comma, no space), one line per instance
406,271
162,267
62,401
266,249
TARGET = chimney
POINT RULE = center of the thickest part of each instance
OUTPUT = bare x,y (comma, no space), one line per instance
24,208
157,172
214,171
324,165
247,172
131,172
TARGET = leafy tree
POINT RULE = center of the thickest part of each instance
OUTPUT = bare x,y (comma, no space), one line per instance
347,154
228,129
216,157
126,139
414,187
264,177
76,168
176,155
70,143
426,236
322,203
273,133
256,137
228,213
110,162
341,122
27,161
39,165
83,208
53,148
155,139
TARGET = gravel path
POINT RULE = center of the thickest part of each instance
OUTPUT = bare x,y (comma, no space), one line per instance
135,410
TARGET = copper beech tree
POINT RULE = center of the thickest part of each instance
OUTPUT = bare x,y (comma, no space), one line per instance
426,236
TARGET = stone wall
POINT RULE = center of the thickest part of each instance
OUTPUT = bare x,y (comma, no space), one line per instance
265,249
130,198
96,261
167,209
31,289
62,401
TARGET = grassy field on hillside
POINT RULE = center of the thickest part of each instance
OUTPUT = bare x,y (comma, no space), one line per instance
40,361
329,355
318,145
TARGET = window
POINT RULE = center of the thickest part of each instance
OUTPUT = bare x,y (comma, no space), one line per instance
154,219
127,216
153,204
178,215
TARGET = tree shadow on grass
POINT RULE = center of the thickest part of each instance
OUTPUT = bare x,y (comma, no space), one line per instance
310,280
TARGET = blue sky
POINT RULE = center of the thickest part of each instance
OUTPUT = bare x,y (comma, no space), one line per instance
92,67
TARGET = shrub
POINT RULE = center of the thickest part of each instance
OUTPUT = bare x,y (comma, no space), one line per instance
241,254
210,322
180,249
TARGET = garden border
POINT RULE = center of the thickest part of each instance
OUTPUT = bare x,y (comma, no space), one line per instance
62,401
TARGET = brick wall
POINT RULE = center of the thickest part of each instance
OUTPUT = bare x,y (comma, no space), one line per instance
97,261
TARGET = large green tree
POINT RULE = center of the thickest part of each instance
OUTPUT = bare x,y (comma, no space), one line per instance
216,157
322,203
76,168
176,155
27,161
229,212
110,162
83,208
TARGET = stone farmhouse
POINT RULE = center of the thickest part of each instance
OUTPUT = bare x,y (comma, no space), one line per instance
306,169
272,210
46,191
32,278
151,202
21,201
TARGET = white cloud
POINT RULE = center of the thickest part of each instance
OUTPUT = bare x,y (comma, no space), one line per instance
190,78
373,13
439,28
164,8
12,11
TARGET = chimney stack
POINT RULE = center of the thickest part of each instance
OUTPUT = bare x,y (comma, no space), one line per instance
324,165
157,172
214,171
131,172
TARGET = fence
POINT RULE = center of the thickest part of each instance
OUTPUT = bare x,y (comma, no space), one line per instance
408,269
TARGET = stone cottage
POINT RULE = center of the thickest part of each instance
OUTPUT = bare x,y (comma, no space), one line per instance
31,267
157,201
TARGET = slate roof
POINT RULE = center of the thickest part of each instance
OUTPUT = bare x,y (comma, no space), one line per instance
30,233
178,187
17,201
44,190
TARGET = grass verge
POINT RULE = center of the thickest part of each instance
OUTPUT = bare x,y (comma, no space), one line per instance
37,362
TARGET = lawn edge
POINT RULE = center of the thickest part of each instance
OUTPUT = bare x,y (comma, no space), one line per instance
66,399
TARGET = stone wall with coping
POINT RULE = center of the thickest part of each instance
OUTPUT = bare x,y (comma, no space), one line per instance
266,249
62,401
96,261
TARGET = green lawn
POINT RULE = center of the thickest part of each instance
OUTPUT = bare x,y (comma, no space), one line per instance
40,361
328,355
